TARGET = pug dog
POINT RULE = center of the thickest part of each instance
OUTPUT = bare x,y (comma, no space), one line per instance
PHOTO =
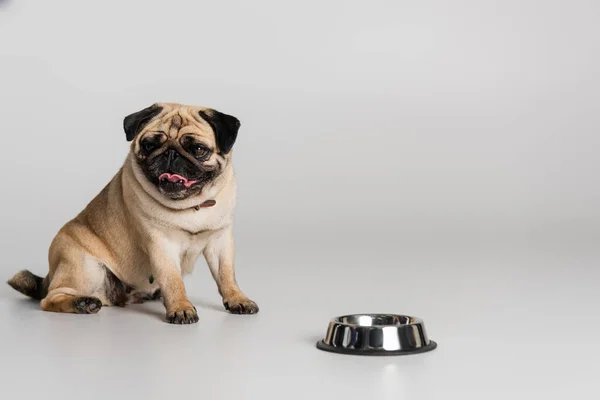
171,201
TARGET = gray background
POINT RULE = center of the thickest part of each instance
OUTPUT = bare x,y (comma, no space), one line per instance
433,158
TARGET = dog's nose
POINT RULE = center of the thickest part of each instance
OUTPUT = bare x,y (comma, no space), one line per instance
171,156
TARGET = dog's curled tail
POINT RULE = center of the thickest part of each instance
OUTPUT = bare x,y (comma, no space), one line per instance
29,284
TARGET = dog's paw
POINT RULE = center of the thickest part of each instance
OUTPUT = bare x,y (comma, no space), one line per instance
241,305
183,316
87,305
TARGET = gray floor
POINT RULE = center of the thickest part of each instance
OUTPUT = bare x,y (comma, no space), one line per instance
518,321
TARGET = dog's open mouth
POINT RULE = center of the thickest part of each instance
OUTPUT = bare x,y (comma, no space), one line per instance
175,179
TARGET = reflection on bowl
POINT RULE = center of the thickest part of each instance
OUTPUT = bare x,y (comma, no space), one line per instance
376,334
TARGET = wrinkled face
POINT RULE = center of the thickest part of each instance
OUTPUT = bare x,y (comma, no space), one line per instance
180,148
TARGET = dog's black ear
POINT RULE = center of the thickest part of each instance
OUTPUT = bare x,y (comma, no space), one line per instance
133,123
225,127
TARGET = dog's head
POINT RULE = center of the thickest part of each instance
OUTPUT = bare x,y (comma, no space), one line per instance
181,148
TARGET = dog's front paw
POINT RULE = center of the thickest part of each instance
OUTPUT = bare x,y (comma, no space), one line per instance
240,305
183,315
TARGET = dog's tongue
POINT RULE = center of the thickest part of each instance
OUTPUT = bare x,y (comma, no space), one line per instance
176,178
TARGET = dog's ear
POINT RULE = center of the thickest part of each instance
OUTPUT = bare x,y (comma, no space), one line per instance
224,126
133,123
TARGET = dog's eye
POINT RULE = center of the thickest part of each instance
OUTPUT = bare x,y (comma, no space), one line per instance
148,146
200,151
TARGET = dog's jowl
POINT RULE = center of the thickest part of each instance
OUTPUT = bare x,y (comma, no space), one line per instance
171,202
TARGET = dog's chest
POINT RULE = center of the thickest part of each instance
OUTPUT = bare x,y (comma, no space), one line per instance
188,233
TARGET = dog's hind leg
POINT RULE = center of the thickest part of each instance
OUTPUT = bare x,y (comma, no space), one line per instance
77,285
67,300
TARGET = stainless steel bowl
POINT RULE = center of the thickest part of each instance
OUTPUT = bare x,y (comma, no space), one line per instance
376,334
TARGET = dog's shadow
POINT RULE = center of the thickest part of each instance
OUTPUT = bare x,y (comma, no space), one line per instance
199,303
154,309
157,310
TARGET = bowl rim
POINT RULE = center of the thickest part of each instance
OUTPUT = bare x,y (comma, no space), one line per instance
412,320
